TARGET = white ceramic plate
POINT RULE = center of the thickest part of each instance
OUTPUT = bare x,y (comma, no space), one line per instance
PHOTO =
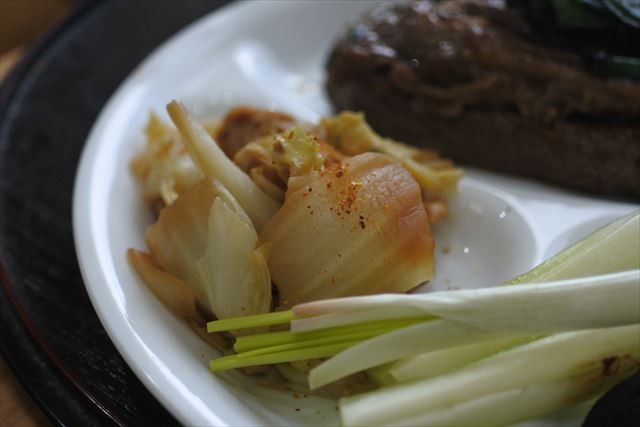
270,54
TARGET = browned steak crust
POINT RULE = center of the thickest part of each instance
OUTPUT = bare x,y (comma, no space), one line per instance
462,77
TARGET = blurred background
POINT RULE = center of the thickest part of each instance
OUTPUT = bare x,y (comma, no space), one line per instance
21,22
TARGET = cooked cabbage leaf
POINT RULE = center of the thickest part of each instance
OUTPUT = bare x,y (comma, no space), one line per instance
164,166
358,227
271,160
195,233
235,273
350,134
213,162
171,291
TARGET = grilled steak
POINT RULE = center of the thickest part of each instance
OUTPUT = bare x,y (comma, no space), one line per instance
468,79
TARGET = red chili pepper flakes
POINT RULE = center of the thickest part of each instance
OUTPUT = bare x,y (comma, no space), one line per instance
348,196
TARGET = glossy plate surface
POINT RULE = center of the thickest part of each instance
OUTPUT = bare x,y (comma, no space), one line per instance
270,54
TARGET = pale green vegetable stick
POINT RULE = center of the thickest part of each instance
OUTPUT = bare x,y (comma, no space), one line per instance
550,359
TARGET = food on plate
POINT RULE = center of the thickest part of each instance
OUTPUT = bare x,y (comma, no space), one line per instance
204,240
242,125
491,356
281,212
212,161
358,227
544,89
296,244
164,167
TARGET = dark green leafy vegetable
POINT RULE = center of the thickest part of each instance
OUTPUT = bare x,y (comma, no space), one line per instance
582,13
604,33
